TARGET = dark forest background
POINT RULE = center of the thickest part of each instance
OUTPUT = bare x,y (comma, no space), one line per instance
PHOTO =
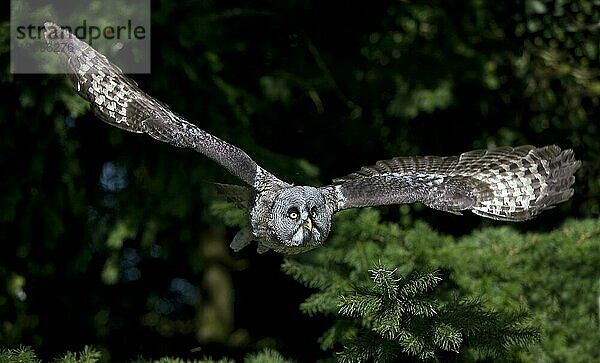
114,240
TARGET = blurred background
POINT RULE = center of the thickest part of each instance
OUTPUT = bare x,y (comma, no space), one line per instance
116,240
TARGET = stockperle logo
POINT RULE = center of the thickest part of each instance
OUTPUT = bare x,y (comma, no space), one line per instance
118,29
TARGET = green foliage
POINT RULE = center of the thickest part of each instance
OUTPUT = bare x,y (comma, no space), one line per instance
20,355
27,355
554,274
87,355
234,217
266,356
500,285
390,316
180,360
90,355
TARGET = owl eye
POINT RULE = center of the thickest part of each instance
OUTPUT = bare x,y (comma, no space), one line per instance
313,212
293,213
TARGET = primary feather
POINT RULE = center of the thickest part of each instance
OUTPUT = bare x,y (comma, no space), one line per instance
504,183
118,101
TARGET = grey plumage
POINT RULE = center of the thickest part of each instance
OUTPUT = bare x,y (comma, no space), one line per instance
504,183
511,184
117,100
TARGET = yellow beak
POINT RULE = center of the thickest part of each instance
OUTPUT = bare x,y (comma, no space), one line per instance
307,224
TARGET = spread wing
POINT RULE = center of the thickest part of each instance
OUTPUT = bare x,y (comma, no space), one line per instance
117,100
505,183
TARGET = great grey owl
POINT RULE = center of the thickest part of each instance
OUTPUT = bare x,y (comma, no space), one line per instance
505,183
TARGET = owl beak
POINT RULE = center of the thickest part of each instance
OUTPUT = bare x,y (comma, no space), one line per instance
307,224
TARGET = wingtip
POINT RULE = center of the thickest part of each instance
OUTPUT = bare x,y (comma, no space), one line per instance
52,29
55,32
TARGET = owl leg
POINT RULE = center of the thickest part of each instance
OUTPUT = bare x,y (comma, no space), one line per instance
242,239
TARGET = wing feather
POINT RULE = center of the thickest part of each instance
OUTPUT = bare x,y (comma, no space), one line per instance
504,183
117,100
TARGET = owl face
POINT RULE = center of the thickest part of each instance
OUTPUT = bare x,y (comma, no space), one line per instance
300,217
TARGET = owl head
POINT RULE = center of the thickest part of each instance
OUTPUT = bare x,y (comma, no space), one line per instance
300,217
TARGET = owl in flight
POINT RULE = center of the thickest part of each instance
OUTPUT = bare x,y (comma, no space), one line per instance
505,183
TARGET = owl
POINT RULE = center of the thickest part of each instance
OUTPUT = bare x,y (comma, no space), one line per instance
505,183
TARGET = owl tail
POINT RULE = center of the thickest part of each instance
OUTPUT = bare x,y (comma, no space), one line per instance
523,187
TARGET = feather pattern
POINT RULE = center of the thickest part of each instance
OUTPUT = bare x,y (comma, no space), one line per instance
117,100
504,183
